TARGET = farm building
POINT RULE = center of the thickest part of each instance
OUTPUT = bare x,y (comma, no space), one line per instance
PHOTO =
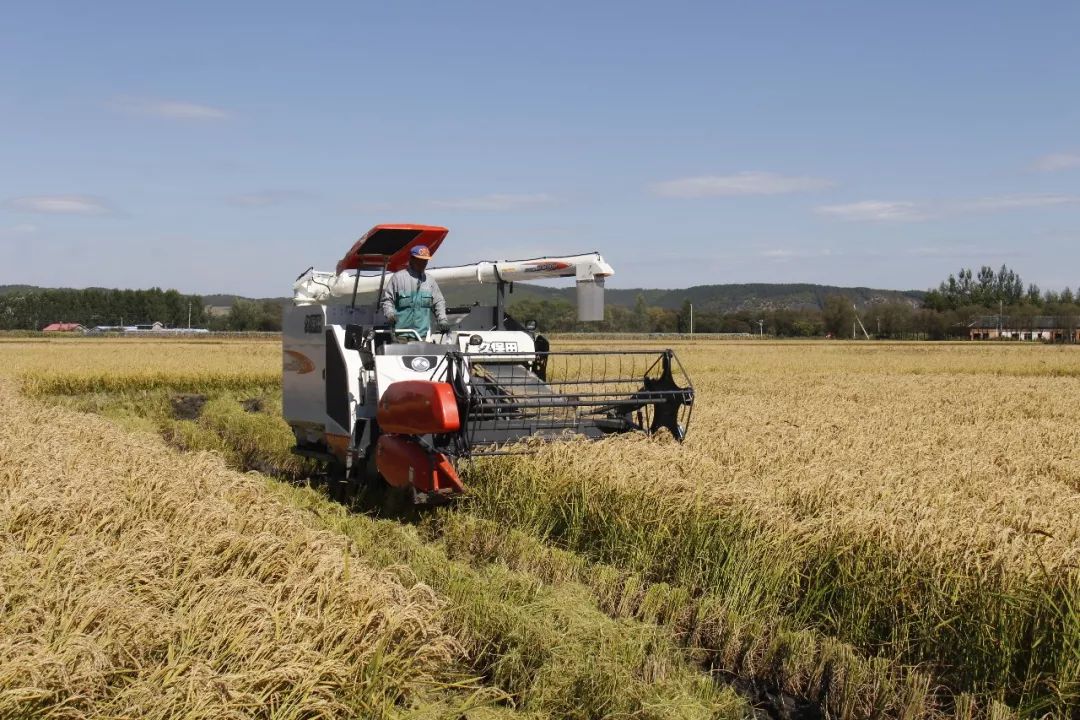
63,327
1049,328
147,327
156,328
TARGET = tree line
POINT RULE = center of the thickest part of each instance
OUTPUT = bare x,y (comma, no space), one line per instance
34,309
944,312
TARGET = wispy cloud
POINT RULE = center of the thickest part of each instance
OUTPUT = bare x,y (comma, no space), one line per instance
743,183
1013,202
874,210
1056,161
60,205
265,198
496,201
173,109
906,211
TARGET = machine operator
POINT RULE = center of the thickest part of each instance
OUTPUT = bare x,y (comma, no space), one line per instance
410,296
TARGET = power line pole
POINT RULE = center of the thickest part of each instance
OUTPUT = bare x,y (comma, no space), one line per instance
691,318
189,315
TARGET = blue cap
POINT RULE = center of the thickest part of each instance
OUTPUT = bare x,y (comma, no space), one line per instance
421,251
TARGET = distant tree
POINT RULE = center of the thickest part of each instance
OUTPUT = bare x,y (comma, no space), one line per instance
986,289
809,325
931,325
664,321
935,299
889,320
270,314
640,321
243,315
837,315
95,306
556,315
684,317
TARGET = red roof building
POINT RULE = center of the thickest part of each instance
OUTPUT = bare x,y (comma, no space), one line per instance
63,327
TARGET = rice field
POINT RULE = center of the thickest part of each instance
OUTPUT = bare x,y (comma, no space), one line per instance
850,530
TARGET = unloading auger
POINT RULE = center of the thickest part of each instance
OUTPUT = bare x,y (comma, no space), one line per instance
374,408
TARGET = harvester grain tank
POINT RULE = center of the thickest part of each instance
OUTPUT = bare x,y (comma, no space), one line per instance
379,408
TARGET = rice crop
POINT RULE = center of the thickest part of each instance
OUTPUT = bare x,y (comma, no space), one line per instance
876,530
548,645
490,643
139,582
930,518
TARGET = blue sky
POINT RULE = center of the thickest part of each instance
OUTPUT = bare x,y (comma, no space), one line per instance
228,146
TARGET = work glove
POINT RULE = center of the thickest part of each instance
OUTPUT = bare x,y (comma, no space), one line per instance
391,318
444,326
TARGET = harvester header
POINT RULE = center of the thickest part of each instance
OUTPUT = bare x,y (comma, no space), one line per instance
380,407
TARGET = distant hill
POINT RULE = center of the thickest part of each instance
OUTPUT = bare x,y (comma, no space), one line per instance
10,289
723,298
760,296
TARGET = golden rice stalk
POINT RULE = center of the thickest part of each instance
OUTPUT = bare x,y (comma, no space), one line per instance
137,581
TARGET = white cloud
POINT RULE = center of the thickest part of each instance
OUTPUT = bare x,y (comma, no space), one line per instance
60,205
495,201
1056,161
744,183
1013,202
174,109
894,210
874,210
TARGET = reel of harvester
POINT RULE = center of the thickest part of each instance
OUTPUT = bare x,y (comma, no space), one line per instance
552,395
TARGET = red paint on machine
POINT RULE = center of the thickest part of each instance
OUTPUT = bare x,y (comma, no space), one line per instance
418,407
403,463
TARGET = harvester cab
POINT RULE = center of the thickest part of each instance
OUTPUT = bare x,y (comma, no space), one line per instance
376,407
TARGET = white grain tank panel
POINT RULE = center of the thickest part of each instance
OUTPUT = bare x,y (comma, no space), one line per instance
303,363
303,399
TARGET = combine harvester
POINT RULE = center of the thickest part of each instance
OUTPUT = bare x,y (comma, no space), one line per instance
376,408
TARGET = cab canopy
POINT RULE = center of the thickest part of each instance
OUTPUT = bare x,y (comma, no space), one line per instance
393,242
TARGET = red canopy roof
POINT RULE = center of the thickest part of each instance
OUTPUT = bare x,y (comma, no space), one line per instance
393,241
62,327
